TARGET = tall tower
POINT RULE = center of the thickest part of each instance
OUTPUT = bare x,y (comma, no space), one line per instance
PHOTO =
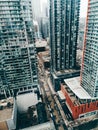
89,71
18,65
64,23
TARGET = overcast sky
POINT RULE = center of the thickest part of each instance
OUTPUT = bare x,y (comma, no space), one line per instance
83,8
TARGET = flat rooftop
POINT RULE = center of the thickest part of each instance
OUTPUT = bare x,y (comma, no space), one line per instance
6,112
45,58
41,43
61,95
26,99
74,85
45,55
66,71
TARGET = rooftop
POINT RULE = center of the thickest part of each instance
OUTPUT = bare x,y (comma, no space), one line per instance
74,85
26,99
45,53
61,95
6,109
41,43
66,71
45,56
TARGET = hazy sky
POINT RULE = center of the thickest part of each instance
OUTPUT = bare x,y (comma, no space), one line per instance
83,8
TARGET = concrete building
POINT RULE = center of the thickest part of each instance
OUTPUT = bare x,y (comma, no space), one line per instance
31,111
37,13
81,93
36,30
45,20
45,9
41,15
18,66
45,27
79,102
45,59
8,114
89,71
41,46
64,24
82,23
26,99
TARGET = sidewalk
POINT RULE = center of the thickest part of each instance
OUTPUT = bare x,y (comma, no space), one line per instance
58,103
50,86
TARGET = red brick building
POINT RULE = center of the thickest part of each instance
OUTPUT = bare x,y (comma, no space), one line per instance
79,102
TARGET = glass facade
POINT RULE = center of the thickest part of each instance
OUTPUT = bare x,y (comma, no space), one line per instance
18,62
90,59
64,23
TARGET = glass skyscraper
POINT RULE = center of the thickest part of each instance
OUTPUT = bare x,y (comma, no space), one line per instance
64,23
89,74
18,62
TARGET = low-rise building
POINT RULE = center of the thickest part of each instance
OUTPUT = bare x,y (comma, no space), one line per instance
57,77
41,45
61,96
8,114
78,100
45,58
26,99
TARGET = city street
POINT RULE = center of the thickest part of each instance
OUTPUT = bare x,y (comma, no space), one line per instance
49,99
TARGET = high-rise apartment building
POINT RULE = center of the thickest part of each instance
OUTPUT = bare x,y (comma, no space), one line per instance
18,65
82,99
64,23
89,74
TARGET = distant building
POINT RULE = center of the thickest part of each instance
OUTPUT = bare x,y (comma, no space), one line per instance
36,30
45,27
36,7
81,33
45,59
45,9
64,24
37,13
18,66
81,39
89,72
45,20
41,46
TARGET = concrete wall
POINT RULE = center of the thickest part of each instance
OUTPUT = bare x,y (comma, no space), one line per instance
11,123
